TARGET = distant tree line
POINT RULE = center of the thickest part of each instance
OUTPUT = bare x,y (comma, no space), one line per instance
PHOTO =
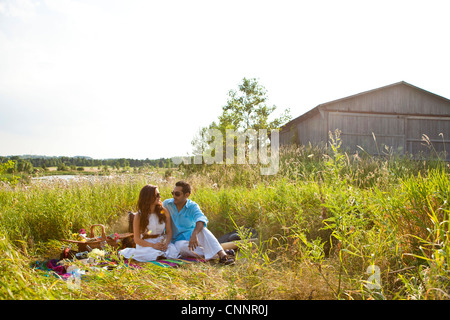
28,163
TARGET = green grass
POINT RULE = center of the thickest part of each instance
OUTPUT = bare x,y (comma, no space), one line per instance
324,220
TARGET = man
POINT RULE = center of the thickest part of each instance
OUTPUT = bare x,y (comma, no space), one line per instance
190,235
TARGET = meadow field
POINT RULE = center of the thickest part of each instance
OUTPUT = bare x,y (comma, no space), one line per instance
331,226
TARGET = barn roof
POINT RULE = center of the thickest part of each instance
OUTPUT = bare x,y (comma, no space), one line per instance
315,110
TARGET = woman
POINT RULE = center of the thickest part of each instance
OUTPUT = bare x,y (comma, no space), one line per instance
148,228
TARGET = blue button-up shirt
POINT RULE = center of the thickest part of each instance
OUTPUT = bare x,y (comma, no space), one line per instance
183,222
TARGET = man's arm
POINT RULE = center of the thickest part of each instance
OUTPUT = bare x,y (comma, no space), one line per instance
193,241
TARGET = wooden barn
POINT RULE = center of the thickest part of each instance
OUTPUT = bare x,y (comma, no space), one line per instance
398,115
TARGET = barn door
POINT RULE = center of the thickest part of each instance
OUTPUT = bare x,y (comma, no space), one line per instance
437,140
375,133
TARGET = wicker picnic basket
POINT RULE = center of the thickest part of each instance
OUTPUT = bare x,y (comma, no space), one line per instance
99,242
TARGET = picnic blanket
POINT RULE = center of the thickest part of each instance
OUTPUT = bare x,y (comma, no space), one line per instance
62,269
175,263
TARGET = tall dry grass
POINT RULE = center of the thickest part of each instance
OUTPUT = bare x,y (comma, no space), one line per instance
328,223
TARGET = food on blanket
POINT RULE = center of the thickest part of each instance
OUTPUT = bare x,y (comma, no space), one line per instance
81,255
96,254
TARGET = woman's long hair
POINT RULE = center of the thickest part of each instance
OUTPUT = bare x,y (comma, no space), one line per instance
147,197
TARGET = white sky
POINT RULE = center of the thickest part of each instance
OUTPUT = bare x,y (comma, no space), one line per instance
137,79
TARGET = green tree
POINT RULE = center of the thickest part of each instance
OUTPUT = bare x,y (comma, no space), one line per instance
24,166
7,165
246,108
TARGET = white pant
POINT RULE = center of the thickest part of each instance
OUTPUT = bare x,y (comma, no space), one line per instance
208,246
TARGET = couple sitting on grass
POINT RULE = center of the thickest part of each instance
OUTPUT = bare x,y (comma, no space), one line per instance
172,229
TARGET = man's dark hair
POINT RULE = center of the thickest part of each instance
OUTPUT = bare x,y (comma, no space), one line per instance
186,186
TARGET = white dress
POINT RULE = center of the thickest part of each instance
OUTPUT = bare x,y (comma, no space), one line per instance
145,254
